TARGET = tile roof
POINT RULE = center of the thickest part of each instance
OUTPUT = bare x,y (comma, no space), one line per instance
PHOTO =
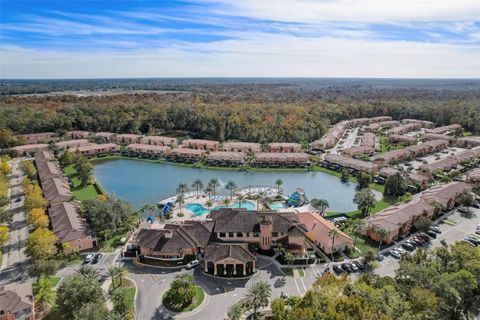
445,129
226,156
16,296
220,251
67,222
404,128
319,230
56,190
350,162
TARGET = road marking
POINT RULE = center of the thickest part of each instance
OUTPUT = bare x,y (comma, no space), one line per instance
303,283
298,289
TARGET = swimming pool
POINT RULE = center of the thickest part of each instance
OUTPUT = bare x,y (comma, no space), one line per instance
199,209
278,205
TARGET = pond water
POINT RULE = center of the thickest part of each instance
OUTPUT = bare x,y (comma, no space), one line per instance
142,182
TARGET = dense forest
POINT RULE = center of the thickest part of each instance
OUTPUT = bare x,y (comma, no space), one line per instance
259,112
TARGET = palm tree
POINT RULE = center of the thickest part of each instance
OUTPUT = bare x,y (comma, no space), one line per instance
333,234
289,258
113,274
121,273
182,188
209,191
44,292
257,295
87,272
278,183
235,312
119,300
214,184
227,202
381,234
356,227
320,204
180,201
240,199
209,203
260,197
197,184
231,186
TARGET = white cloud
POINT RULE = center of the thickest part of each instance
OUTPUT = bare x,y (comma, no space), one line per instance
312,11
264,55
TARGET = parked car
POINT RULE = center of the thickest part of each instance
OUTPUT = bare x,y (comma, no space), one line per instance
443,242
380,257
463,210
88,258
395,253
18,199
192,264
469,242
432,234
336,268
359,265
436,229
346,267
474,239
97,257
408,246
476,205
353,267
284,295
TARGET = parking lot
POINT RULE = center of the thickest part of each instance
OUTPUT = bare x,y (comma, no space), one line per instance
465,224
415,164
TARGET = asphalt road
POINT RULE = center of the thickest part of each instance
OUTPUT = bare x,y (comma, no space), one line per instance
15,262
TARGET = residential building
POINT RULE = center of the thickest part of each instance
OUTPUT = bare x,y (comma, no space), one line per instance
452,128
48,170
404,128
272,159
418,180
16,301
159,141
56,190
319,232
473,176
72,144
398,219
367,146
377,126
226,158
403,139
96,149
71,229
29,149
186,154
285,147
208,145
127,138
151,149
336,161
245,147
450,162
106,136
34,138
437,136
468,142
77,134
423,123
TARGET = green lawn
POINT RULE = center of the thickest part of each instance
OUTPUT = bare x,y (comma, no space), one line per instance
54,280
112,243
80,193
129,288
287,271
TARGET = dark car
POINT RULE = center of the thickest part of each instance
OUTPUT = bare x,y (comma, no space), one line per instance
474,240
380,257
424,237
463,210
346,267
432,234
443,242
97,257
359,265
476,205
336,268
408,246
18,199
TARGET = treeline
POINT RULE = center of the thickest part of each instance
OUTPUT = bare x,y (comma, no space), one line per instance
215,116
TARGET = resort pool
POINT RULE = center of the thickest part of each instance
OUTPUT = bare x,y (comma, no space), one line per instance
199,209
278,205
141,182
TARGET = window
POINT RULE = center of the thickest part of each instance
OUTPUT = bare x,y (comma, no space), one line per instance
230,234
240,234
248,234
79,246
255,234
274,234
221,235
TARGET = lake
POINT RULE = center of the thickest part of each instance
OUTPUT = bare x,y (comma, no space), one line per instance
142,182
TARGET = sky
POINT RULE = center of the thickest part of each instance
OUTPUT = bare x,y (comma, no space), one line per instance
239,38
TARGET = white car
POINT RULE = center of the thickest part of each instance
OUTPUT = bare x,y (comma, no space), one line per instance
192,264
89,258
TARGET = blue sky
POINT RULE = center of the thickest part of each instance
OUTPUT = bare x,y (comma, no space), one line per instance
208,38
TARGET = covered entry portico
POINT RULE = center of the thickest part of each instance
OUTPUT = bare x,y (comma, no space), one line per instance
229,260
